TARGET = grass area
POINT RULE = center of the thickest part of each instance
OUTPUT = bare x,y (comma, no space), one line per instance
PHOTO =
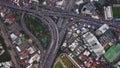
38,29
67,62
58,65
116,12
5,56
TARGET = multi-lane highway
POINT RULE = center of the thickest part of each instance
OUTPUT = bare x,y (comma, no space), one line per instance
51,52
114,25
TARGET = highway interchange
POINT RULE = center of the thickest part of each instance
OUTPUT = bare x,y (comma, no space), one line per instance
48,58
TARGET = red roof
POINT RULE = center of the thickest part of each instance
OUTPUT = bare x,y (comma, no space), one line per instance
85,57
12,18
78,62
95,64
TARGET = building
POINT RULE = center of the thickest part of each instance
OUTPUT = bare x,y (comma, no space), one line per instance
36,57
6,64
19,42
108,13
102,29
89,8
94,43
79,2
16,2
19,50
3,11
72,46
31,50
34,1
8,21
59,3
24,54
112,53
117,65
13,36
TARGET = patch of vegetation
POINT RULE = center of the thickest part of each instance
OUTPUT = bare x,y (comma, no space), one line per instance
58,65
40,30
5,56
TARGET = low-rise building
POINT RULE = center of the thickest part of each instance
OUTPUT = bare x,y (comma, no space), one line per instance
59,3
6,64
79,2
31,50
117,65
34,1
36,57
13,36
19,50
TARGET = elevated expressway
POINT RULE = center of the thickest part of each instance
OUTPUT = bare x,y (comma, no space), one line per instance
114,25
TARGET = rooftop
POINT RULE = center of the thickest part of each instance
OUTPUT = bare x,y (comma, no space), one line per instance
94,43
